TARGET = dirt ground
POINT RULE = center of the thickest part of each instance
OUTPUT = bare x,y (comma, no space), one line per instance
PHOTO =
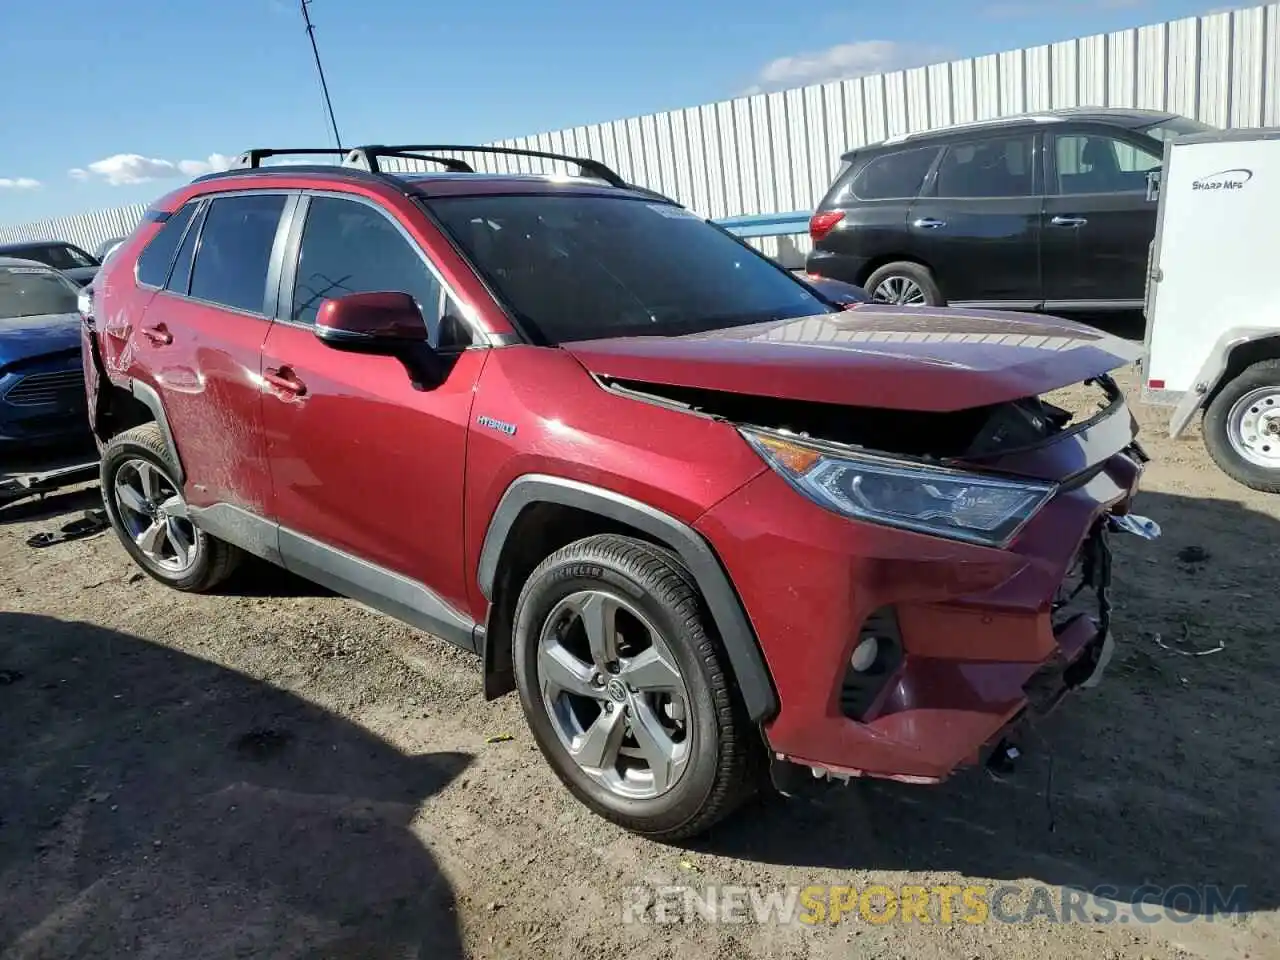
276,772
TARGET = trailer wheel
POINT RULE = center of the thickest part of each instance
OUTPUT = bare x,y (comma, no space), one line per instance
1242,427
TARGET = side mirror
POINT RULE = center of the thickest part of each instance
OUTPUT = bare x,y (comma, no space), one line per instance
383,324
379,323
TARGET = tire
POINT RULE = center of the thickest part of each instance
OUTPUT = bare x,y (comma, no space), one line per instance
909,273
1247,399
721,753
126,460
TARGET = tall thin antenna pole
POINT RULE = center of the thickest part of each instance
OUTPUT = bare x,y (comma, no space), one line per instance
328,104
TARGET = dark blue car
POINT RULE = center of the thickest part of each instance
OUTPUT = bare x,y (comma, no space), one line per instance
42,394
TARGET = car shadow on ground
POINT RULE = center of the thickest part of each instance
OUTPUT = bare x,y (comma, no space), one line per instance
1163,775
156,804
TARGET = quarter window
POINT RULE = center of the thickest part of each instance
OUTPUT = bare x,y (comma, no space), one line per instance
235,248
156,257
1097,163
180,275
895,176
348,247
998,167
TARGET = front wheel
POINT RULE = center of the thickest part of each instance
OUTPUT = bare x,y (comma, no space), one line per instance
624,686
1242,427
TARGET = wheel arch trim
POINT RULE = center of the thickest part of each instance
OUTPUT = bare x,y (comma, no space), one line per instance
740,641
1212,373
150,397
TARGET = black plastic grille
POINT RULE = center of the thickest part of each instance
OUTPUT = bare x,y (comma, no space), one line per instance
40,388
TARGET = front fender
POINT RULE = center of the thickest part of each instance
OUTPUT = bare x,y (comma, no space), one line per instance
1212,371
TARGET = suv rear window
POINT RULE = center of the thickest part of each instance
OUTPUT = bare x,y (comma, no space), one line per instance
895,176
578,267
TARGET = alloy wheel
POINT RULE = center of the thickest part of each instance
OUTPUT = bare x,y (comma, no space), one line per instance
614,694
154,515
902,291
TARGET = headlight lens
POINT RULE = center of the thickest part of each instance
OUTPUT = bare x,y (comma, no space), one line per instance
939,501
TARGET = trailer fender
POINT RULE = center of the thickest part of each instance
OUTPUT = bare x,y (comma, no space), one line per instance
1236,349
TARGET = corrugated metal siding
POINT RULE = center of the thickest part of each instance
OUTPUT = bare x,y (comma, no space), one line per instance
777,152
86,230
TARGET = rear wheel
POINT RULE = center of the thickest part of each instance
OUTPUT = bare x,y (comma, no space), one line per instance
149,513
624,687
1242,427
905,284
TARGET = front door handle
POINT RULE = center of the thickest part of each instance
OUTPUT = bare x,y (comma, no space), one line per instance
1068,221
284,379
159,335
928,223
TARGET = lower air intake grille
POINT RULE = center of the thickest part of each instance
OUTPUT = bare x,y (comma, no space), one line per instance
41,388
876,657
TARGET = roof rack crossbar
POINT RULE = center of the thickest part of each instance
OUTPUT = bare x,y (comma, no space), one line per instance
368,157
253,158
452,164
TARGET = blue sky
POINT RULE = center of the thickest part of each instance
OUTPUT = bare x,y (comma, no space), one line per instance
114,103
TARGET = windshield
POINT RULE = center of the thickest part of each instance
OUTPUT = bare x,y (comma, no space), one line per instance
1176,127
584,267
60,256
34,292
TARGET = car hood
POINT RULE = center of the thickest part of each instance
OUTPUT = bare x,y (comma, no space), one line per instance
872,356
25,338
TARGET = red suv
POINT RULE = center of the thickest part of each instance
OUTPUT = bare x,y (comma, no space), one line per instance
699,513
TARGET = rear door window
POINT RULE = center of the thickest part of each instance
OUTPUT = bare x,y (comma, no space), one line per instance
895,176
235,249
993,167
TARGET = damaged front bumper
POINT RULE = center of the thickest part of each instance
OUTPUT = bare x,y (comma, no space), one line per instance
971,641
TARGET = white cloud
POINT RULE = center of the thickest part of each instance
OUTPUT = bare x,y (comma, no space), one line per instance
215,163
18,183
845,60
127,169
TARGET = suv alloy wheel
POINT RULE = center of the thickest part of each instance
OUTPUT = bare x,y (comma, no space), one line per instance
149,514
624,689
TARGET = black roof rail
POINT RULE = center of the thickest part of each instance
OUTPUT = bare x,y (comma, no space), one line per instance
367,157
306,169
452,164
253,158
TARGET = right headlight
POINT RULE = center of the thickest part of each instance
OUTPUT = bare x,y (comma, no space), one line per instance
935,500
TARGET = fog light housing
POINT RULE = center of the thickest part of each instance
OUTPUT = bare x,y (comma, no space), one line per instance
872,665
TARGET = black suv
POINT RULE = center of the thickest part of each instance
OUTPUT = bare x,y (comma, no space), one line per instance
1043,211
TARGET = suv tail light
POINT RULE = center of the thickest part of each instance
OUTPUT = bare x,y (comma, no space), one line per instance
820,224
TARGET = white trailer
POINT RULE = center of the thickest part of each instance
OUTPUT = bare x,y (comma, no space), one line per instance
1213,298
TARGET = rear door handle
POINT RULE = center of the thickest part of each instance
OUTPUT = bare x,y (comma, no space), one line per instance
283,378
928,223
1068,221
159,334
